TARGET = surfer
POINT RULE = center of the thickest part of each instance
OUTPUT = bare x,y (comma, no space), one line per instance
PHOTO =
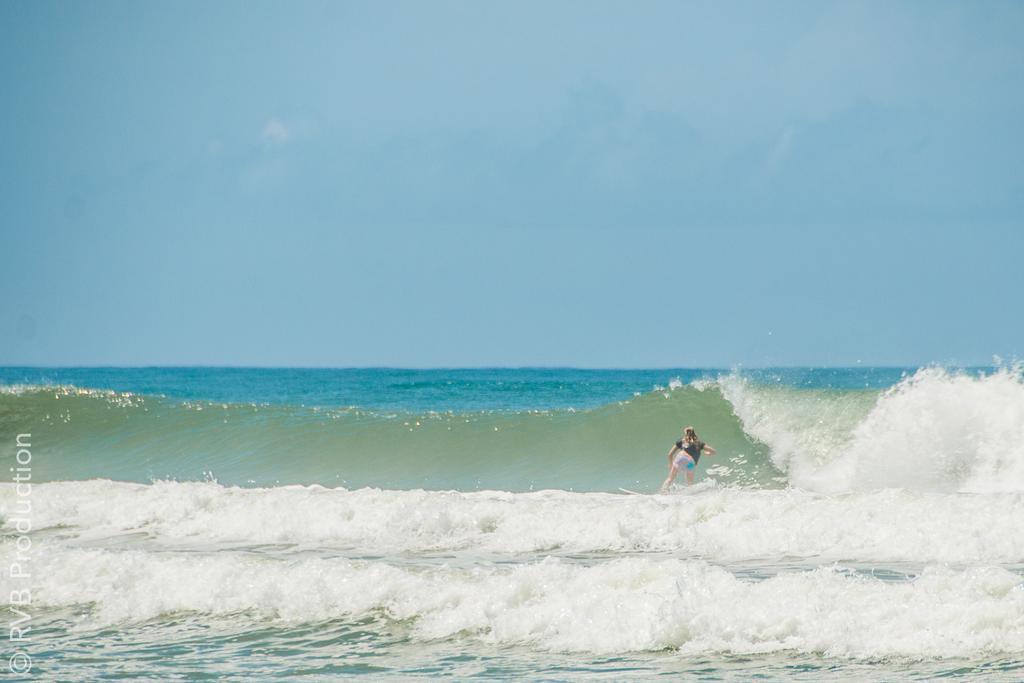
685,453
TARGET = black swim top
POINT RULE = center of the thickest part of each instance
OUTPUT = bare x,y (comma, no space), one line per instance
691,449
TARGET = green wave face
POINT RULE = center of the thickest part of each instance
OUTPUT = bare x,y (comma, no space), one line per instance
935,430
81,434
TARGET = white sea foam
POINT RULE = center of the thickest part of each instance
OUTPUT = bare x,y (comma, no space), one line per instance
720,524
619,605
934,431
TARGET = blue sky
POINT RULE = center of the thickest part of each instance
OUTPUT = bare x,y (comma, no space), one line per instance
458,184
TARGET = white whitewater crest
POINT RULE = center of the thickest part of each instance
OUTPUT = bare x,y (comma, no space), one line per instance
936,430
533,569
715,524
620,605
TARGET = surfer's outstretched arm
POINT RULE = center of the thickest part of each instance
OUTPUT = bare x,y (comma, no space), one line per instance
709,450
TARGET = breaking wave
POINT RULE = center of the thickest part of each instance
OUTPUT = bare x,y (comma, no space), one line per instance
936,430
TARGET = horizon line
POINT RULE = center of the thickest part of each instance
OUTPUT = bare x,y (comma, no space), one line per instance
736,366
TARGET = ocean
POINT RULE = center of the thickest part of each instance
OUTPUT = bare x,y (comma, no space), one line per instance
310,524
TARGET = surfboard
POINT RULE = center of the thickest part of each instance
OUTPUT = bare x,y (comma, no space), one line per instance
632,493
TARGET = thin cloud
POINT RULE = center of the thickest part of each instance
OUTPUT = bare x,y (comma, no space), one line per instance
276,132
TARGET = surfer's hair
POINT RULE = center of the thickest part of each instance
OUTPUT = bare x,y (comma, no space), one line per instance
690,434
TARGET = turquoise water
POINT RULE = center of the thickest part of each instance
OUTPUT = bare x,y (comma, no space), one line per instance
310,524
418,391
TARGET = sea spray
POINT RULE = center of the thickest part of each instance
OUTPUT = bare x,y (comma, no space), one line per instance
936,430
